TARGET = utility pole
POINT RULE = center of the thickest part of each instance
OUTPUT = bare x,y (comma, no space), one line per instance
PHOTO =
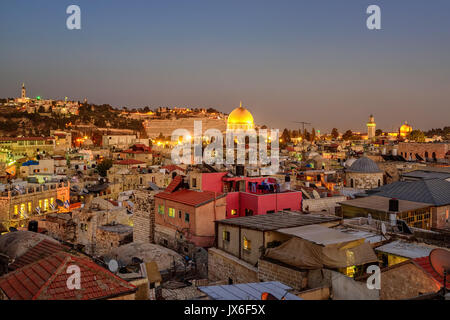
303,123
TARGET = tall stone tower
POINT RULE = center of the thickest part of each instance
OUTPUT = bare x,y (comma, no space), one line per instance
24,91
144,217
371,127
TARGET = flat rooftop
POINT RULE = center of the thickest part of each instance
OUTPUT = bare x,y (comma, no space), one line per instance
406,249
381,204
279,220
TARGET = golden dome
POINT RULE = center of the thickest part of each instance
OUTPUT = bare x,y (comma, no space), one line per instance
240,118
405,129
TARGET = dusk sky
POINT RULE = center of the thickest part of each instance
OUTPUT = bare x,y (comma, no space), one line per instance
312,61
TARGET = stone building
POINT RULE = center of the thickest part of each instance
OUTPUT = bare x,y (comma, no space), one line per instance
144,216
19,204
427,151
364,173
112,236
241,242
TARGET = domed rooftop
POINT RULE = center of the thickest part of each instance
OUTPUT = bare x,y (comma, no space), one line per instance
364,165
405,129
240,118
348,163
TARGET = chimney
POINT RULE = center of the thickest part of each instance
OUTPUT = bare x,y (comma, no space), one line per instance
393,210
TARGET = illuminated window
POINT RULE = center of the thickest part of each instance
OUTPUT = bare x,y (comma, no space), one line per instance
161,209
16,210
226,236
171,212
30,206
45,204
52,200
233,212
247,244
22,208
40,204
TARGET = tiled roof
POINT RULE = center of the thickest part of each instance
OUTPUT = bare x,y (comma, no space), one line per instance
46,279
432,191
41,250
174,184
189,197
425,264
172,167
129,161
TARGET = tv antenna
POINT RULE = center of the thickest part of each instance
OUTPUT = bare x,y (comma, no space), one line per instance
303,123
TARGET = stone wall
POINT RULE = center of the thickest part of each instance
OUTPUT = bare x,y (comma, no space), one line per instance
223,266
270,271
108,239
406,281
323,204
425,150
363,180
144,217
154,127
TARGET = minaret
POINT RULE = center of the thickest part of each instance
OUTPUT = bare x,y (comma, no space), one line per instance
371,125
24,91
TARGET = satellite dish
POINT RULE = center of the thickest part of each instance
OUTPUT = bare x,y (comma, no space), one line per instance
383,228
113,266
440,262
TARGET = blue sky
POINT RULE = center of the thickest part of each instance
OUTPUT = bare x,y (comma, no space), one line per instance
298,60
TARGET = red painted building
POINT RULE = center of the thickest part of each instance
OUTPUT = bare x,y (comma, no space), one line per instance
187,215
248,195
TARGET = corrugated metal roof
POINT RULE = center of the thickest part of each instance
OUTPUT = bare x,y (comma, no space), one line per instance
423,174
249,291
283,219
320,234
432,191
405,249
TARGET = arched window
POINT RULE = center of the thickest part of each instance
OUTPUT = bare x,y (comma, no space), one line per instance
351,183
434,155
426,154
379,183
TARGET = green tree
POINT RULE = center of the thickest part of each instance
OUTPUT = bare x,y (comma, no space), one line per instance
313,135
335,133
417,136
347,135
104,166
286,136
306,135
